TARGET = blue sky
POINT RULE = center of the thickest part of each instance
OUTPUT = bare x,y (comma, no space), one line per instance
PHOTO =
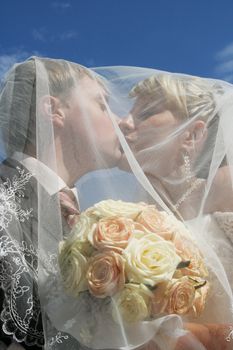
188,36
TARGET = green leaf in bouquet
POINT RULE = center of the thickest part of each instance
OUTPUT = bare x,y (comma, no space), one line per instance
183,264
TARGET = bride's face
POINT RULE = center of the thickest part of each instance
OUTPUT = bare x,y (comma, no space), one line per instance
153,139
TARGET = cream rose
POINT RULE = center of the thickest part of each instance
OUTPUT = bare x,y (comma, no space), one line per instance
112,233
118,208
132,303
180,296
105,274
150,259
73,267
79,234
82,227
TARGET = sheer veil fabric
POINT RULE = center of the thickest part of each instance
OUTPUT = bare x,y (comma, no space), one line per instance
116,133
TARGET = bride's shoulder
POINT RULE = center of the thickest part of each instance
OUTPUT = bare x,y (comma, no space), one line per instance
225,223
221,193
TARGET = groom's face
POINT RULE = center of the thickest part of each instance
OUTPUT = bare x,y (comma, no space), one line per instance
93,138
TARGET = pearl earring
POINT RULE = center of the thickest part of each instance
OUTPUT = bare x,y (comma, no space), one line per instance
187,167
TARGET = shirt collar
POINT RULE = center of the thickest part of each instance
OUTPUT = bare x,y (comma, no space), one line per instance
51,182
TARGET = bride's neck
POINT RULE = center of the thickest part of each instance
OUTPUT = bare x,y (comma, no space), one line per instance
180,196
171,188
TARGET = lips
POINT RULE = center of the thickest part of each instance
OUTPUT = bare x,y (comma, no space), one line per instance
131,138
121,149
130,141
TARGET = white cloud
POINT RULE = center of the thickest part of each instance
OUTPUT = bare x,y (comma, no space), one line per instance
68,35
40,34
224,66
61,5
226,52
6,61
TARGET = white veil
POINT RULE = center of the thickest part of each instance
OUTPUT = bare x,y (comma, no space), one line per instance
122,134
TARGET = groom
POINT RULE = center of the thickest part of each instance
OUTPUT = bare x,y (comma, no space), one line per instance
82,140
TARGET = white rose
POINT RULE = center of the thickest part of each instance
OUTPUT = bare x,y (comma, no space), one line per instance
82,228
109,208
79,235
150,259
73,267
132,304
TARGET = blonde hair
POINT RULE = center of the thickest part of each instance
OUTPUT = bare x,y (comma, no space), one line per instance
185,97
63,76
188,98
18,97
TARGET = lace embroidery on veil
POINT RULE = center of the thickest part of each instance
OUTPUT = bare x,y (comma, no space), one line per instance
22,322
11,192
18,267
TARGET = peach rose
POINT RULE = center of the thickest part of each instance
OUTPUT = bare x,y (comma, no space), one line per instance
132,303
200,299
163,293
112,233
155,221
180,296
188,251
105,274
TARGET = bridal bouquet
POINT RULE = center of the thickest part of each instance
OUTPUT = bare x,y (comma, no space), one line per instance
143,258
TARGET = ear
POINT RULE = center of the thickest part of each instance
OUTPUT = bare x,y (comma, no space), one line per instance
195,136
52,108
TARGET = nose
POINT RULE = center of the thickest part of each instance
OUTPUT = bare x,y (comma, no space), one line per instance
127,125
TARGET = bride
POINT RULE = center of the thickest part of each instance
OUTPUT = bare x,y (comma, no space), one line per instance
172,130
177,129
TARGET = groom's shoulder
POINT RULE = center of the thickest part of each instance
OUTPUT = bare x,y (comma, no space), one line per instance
8,169
13,172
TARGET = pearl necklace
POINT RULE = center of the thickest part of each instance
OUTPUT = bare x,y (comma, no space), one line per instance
189,191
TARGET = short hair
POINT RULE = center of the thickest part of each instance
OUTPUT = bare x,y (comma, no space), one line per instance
186,97
18,97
